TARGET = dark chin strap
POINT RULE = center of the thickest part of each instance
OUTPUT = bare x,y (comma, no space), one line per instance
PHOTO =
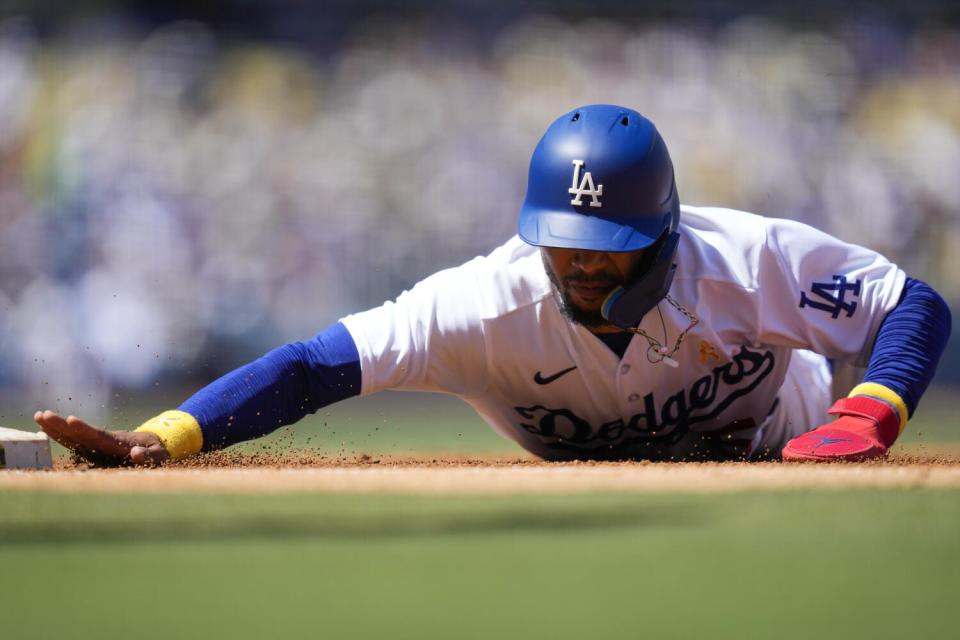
626,306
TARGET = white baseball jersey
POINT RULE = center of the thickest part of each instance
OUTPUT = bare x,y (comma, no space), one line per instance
491,332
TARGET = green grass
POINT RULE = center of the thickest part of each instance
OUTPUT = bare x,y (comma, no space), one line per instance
870,564
403,424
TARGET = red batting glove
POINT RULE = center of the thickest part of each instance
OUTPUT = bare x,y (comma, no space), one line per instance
866,429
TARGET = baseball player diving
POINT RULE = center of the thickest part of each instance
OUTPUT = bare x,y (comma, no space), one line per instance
616,325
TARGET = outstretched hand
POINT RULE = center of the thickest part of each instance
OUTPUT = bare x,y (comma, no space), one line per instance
99,446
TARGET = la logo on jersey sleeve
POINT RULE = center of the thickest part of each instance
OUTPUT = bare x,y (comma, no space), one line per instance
831,296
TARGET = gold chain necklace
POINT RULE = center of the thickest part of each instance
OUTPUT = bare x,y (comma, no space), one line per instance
657,352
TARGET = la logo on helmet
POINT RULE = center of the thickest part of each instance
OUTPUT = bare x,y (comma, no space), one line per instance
585,187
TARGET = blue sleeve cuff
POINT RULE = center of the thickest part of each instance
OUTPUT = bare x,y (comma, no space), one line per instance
277,389
910,342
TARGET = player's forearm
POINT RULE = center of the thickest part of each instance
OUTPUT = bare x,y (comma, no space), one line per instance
908,347
902,363
275,390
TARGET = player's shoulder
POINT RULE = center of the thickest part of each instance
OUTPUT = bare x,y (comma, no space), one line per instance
509,278
733,227
729,245
720,244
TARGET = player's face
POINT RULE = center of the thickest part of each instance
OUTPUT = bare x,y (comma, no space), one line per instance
584,279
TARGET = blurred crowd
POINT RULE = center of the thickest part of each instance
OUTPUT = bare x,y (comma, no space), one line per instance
172,199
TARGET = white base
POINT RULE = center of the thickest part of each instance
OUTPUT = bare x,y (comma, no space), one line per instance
24,450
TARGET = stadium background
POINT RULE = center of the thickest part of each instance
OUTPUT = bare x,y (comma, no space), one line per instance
183,188
184,185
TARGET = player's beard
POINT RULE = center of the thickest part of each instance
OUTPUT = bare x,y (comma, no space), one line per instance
590,318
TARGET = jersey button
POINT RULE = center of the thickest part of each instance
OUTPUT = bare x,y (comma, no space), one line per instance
625,368
633,397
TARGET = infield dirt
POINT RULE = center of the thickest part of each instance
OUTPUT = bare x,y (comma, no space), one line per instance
307,471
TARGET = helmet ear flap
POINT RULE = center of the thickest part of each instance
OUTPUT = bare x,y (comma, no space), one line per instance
651,255
626,306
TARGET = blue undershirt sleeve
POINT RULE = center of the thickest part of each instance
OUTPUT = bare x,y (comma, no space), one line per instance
910,342
277,389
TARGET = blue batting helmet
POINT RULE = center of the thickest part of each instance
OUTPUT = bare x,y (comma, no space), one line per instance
600,179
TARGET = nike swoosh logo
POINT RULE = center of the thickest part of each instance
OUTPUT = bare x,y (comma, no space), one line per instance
541,380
